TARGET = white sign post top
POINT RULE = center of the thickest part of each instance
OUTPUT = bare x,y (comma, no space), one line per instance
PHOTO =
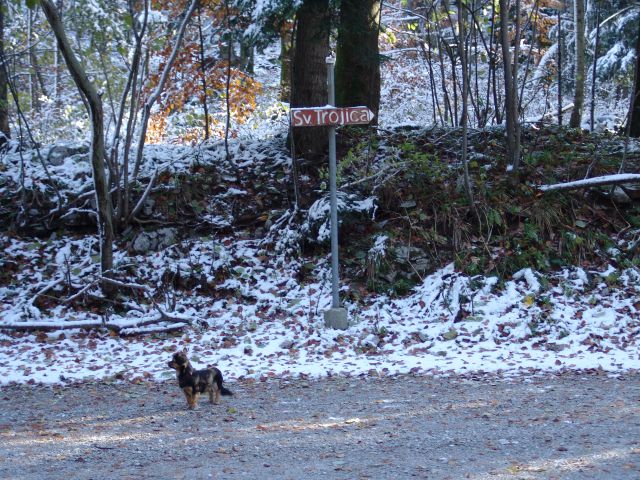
330,116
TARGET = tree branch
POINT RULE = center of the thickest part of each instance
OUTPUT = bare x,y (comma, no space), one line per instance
593,182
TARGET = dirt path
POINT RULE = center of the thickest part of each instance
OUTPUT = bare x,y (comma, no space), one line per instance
568,427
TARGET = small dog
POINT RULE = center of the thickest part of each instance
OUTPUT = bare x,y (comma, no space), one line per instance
194,382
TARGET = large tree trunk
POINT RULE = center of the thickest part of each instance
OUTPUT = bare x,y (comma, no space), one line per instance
578,99
357,55
4,103
103,200
309,74
634,125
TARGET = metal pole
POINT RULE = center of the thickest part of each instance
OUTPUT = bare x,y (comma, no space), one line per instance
333,190
335,317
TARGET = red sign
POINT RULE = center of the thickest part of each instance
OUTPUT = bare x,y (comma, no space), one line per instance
330,116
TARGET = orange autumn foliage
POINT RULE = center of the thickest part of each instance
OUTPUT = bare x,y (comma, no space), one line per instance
184,87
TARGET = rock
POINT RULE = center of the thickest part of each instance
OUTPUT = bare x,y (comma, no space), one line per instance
154,241
450,335
632,192
390,276
555,347
476,332
59,153
287,344
147,207
412,259
370,341
423,337
618,195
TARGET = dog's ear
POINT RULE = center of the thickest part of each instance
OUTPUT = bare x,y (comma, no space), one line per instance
181,358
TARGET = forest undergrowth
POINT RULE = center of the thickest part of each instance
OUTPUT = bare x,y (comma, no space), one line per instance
416,177
418,217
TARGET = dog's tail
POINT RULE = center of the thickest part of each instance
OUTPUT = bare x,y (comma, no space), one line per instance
223,391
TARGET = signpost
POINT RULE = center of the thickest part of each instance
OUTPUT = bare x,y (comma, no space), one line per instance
331,116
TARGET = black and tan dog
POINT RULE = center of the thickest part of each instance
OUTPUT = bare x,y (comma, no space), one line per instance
194,382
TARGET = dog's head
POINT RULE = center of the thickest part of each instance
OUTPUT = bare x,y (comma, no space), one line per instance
179,361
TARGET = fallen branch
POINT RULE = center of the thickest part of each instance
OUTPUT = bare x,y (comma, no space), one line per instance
174,318
50,326
550,115
118,283
593,182
119,327
79,293
164,329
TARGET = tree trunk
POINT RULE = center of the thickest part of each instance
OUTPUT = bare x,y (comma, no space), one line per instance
286,49
4,103
57,71
33,97
309,74
578,99
560,64
463,52
227,88
634,125
103,200
510,85
203,71
594,71
358,56
155,95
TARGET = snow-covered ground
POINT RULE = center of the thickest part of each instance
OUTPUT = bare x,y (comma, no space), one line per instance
261,322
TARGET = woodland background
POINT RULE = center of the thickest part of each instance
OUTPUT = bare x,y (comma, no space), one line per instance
150,185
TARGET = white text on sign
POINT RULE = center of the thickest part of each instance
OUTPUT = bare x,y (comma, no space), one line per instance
330,116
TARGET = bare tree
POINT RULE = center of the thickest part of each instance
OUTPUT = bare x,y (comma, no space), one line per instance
103,200
155,95
131,94
580,45
511,83
463,52
4,103
634,121
203,71
560,65
227,84
594,70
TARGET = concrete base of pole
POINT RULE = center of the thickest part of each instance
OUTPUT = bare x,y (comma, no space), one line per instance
336,318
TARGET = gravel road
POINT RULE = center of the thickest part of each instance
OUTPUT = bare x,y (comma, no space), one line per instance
567,427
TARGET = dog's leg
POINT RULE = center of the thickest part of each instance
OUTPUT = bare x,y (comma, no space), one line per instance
191,396
211,394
